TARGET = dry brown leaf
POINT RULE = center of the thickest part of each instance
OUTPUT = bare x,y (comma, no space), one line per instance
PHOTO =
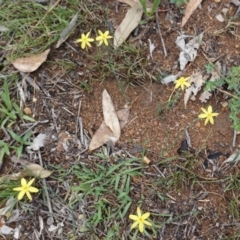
101,137
110,115
104,133
30,63
128,24
205,95
63,139
35,170
123,116
129,2
190,8
196,81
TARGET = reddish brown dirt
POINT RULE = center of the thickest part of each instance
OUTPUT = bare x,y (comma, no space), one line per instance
160,134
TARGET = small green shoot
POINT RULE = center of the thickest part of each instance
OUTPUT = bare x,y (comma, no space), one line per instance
21,142
152,10
178,2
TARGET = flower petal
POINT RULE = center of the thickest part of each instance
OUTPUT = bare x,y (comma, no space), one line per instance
141,226
209,109
20,195
30,182
202,115
204,110
133,217
214,114
83,45
23,182
105,42
134,225
100,32
98,38
17,189
29,195
33,189
139,212
145,215
211,120
147,223
206,121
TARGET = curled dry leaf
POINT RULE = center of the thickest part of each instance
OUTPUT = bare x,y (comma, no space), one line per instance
101,137
104,133
128,24
129,2
110,115
67,31
191,7
205,95
196,81
38,142
30,63
35,170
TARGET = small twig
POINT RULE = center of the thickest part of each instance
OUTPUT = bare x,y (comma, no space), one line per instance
237,13
234,138
220,90
160,34
188,137
45,186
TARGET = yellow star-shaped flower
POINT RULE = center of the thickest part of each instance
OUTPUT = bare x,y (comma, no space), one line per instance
103,37
26,189
208,114
140,220
182,82
85,40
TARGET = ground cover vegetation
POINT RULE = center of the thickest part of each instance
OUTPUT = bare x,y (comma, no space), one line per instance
119,119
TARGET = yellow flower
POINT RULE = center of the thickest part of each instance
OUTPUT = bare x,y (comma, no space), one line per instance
208,114
26,189
85,40
182,82
140,220
103,37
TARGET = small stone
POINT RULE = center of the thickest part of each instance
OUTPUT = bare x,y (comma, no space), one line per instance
27,111
198,124
224,104
155,123
146,160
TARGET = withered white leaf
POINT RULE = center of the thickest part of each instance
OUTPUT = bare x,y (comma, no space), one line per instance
30,63
38,142
196,80
35,170
129,2
101,137
205,95
128,24
110,115
190,8
67,31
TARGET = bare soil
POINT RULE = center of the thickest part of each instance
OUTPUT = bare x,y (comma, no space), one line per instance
159,135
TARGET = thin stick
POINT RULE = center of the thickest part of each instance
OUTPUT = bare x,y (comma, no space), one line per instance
160,34
234,138
220,90
45,187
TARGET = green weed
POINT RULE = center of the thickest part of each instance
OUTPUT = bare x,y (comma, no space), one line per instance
109,188
231,81
32,26
152,10
178,2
